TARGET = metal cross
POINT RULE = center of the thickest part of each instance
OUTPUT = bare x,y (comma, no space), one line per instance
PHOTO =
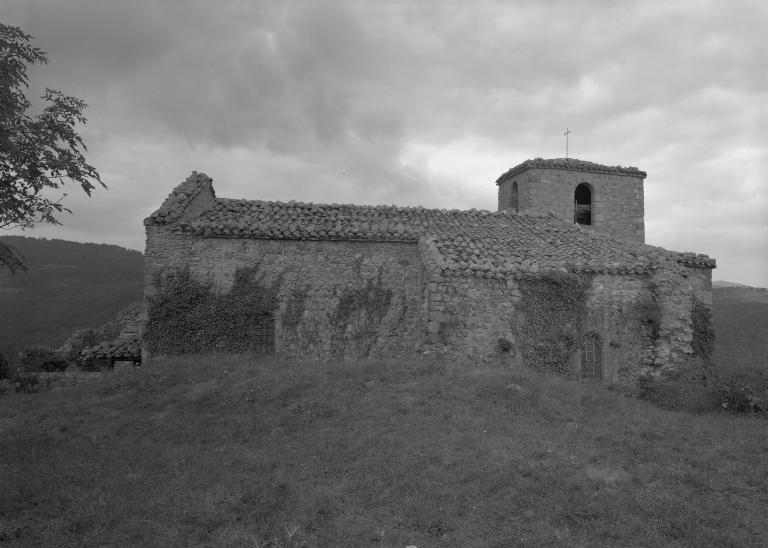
567,131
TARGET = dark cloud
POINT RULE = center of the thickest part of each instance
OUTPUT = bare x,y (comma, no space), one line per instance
92,45
423,103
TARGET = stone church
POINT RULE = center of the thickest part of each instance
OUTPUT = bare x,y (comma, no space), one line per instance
354,281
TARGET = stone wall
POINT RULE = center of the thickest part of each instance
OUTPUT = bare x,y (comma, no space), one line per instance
634,351
617,200
612,315
677,291
616,313
701,284
315,276
469,315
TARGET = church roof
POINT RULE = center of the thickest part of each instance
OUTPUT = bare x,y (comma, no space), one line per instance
455,242
571,164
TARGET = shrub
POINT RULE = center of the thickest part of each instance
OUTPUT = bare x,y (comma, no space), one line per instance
90,365
41,359
703,342
685,388
505,344
732,380
27,383
81,340
5,368
740,379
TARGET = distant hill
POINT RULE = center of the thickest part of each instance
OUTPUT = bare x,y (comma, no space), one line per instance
741,316
721,283
69,286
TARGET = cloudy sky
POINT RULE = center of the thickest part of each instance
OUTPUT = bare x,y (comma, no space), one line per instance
415,103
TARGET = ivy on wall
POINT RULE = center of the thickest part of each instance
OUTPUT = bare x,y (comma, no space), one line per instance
703,343
554,310
299,335
188,316
647,310
294,309
366,306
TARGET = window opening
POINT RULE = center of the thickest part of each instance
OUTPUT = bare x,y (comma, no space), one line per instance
264,334
591,357
583,205
513,198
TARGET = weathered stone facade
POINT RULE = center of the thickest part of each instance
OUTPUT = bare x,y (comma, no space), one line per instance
450,278
321,270
470,315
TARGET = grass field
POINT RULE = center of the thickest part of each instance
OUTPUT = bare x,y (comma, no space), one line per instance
241,451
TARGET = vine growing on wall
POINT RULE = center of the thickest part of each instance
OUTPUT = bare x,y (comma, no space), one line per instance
554,311
188,316
366,306
647,310
703,343
294,309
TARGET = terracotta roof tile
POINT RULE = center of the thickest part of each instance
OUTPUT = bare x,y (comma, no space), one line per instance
571,164
477,243
177,201
128,348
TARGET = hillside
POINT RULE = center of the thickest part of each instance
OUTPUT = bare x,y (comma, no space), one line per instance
722,283
69,286
246,451
741,316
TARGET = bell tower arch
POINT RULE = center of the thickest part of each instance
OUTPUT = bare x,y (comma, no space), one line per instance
605,199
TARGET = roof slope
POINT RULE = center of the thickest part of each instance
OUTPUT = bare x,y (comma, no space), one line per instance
571,164
127,348
480,243
180,198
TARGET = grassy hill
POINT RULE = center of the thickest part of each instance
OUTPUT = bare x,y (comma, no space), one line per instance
741,316
241,451
69,286
722,283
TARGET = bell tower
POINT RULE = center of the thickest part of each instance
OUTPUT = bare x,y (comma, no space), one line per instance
606,199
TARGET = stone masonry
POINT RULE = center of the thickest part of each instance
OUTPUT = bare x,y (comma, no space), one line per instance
549,185
322,269
453,275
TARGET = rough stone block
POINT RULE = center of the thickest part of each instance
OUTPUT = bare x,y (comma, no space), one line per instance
440,317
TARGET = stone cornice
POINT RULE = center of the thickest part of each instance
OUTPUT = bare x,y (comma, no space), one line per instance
571,164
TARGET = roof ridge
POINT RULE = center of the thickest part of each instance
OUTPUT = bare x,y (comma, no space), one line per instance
180,197
495,244
572,164
315,205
